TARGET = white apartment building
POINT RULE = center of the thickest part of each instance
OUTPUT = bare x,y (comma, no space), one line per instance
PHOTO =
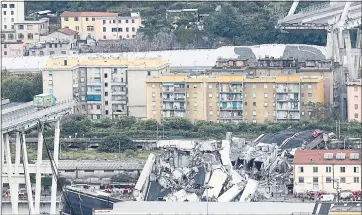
325,170
30,31
103,87
11,12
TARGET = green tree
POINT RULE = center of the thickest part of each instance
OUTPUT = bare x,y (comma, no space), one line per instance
75,124
113,143
322,112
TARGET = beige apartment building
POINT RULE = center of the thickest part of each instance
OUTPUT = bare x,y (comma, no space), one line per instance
30,31
354,100
233,98
103,87
325,170
102,25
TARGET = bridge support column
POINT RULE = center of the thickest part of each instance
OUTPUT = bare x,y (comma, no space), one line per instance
12,184
347,41
27,176
2,163
53,201
17,153
359,39
38,173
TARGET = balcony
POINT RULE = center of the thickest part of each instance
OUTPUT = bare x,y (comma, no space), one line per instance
119,93
231,98
179,90
286,90
231,117
231,108
168,99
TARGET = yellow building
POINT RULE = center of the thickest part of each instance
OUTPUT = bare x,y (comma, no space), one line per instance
83,22
233,98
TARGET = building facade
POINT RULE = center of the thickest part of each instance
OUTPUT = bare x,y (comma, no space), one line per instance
12,49
11,12
120,27
102,25
232,98
61,42
354,99
104,88
327,170
30,31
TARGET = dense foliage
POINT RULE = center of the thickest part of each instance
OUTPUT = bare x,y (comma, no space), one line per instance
236,23
21,88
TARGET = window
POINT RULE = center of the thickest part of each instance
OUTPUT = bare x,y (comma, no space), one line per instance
63,52
106,102
133,29
254,104
55,45
21,27
77,19
328,169
93,19
153,103
265,86
328,180
309,95
106,112
105,75
12,5
104,29
69,170
210,86
265,95
254,95
210,95
210,112
342,180
5,53
132,20
77,28
356,106
90,28
195,95
154,112
343,169
105,84
315,179
104,22
195,104
4,12
5,27
301,169
119,21
355,89
356,115
12,13
315,169
127,29
126,20
356,169
104,37
148,73
88,170
254,86
108,170
356,179
86,19
105,93
246,103
210,104
66,19
20,36
29,27
114,29
301,180
254,113
4,6
356,98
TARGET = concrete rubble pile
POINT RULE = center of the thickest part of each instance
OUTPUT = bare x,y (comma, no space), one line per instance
223,171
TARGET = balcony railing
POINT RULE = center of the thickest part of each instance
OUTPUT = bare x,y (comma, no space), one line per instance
179,90
231,108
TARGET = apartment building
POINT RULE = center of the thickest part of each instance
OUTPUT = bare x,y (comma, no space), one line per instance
233,98
354,99
103,87
30,31
11,12
61,42
326,170
120,27
102,25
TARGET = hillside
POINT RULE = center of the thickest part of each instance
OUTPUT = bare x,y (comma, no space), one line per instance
235,23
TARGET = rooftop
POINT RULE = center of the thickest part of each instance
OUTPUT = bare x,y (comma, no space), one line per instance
235,78
355,83
32,21
58,63
67,31
219,208
328,157
87,14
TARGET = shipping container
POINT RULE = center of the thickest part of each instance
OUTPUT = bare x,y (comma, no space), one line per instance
44,100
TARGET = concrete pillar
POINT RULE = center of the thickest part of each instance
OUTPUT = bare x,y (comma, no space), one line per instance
38,174
347,40
27,176
1,176
53,204
17,152
12,184
293,7
359,39
330,49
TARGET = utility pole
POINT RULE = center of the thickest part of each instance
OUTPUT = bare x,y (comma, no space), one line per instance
157,131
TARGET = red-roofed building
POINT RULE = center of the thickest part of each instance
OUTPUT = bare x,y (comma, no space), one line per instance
102,25
322,170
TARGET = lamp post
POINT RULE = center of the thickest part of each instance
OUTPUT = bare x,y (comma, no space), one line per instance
337,189
207,187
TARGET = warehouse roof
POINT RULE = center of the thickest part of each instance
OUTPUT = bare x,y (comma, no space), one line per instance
100,164
219,208
201,58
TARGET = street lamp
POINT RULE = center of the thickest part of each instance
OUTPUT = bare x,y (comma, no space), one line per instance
337,189
207,187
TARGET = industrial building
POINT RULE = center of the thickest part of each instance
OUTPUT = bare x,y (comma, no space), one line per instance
233,98
102,87
327,170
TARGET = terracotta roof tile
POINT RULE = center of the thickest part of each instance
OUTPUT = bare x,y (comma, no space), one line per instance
67,31
88,14
317,157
